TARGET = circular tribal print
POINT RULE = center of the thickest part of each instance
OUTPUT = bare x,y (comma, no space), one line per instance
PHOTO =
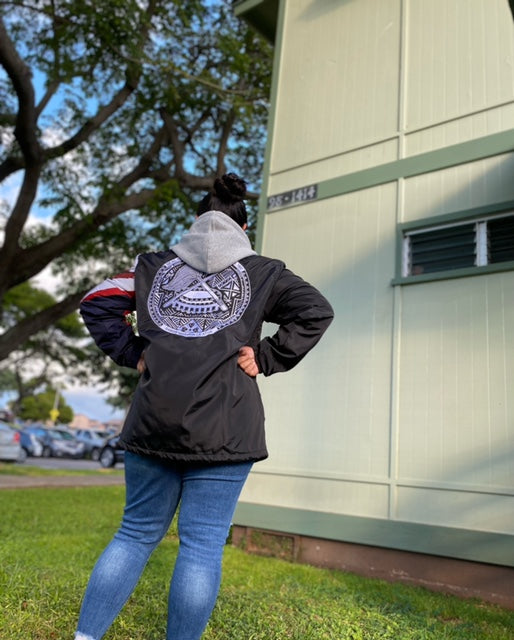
190,303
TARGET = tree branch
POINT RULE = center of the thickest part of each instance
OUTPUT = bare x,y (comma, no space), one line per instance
21,78
222,146
55,82
10,165
7,119
176,143
94,123
132,77
13,163
19,334
29,262
144,164
49,93
25,132
15,224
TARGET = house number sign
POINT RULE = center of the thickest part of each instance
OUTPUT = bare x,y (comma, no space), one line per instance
296,196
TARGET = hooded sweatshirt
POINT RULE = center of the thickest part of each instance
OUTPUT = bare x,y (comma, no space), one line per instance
197,304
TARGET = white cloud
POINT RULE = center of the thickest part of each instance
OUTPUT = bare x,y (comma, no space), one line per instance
48,281
90,402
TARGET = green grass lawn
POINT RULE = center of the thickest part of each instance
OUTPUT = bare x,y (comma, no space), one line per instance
11,469
50,539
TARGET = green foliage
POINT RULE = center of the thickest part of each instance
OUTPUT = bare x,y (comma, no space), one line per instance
37,407
56,352
51,539
7,380
138,105
25,300
193,62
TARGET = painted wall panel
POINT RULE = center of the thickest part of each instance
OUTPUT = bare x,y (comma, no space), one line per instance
404,411
466,510
333,167
339,79
467,186
319,494
478,125
331,414
456,411
460,56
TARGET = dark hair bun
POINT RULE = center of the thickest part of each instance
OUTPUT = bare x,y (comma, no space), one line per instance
226,195
230,188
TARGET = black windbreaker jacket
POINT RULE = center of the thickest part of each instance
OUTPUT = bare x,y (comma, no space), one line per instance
193,402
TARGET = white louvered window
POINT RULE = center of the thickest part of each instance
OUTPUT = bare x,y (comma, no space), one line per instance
458,245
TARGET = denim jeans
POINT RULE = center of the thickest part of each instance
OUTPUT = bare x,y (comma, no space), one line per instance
208,495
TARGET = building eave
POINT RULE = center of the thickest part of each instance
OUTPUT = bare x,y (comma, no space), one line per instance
262,15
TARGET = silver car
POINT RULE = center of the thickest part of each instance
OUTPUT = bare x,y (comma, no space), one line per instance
93,441
65,445
10,445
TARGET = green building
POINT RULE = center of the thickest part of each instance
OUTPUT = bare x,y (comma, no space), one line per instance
389,184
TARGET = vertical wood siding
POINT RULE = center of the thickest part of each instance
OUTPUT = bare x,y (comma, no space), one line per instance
405,410
460,56
338,84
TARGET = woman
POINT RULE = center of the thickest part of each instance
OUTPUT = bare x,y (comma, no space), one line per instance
196,424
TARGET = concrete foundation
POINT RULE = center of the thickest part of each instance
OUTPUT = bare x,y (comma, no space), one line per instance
465,579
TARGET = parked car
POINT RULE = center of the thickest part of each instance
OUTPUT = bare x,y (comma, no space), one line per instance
93,441
66,445
111,453
57,443
10,445
30,444
41,433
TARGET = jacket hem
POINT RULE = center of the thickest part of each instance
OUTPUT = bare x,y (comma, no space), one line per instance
204,458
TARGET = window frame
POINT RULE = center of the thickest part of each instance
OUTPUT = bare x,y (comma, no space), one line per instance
480,216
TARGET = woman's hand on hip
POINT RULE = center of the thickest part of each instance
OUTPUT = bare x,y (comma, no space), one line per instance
246,360
141,365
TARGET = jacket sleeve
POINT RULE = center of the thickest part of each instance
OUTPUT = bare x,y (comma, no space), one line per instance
303,315
104,310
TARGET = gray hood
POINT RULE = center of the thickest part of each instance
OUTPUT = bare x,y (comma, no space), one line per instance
213,243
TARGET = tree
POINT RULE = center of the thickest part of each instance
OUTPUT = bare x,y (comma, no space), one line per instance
60,352
114,116
39,407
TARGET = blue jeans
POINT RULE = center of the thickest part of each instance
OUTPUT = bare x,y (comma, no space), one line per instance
208,495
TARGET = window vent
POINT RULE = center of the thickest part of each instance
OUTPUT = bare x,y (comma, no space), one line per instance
458,245
501,239
441,249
